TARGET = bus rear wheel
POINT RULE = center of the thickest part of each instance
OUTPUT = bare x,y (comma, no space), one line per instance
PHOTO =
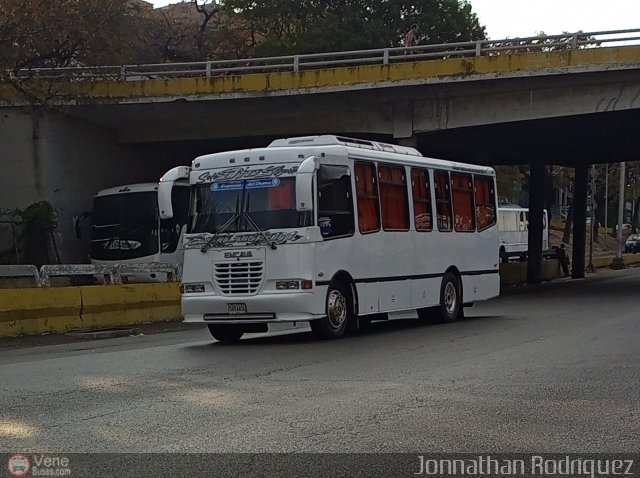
338,310
226,334
451,308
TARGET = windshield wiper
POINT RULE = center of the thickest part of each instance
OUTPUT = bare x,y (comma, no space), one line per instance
250,220
213,239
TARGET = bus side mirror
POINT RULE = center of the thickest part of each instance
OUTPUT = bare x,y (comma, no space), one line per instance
165,203
78,223
304,184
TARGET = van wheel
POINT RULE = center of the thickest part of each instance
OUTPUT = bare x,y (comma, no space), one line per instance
450,299
226,334
338,310
503,256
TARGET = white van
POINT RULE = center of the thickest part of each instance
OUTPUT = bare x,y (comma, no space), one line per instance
513,226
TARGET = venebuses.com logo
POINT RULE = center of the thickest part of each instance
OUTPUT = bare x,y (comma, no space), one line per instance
18,465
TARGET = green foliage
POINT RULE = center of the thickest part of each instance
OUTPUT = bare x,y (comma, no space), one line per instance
39,217
509,180
312,26
117,32
111,32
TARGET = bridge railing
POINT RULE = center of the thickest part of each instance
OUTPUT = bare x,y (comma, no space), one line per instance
297,63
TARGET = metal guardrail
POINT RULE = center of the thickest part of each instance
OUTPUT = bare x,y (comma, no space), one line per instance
110,274
21,271
297,63
71,270
155,268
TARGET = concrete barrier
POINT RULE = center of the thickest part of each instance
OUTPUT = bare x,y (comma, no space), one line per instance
35,311
515,273
629,259
59,310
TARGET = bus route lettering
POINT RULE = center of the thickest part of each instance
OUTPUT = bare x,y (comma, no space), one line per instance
232,174
200,240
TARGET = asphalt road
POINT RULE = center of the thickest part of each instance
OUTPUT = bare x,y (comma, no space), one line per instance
553,368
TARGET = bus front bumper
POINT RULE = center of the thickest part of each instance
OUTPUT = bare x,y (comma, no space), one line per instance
260,309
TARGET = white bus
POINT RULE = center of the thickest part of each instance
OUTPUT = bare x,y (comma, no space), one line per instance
333,231
513,224
126,228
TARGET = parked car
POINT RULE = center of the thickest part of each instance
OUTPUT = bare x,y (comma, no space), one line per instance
632,244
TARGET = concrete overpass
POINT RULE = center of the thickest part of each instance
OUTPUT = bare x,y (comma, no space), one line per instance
486,102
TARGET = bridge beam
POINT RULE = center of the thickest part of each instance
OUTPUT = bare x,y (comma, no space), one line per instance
411,142
536,212
580,221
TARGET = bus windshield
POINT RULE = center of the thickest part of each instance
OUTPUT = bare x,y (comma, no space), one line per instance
124,226
270,203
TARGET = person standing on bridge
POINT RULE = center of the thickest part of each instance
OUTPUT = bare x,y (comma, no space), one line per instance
411,38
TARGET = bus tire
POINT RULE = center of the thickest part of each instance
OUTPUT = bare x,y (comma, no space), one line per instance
338,310
226,334
451,308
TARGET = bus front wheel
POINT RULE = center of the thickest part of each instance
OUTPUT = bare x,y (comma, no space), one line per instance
450,298
226,334
338,310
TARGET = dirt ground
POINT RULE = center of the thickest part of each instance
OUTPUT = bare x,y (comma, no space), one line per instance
605,246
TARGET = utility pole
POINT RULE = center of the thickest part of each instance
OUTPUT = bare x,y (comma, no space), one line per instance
591,267
618,261
606,202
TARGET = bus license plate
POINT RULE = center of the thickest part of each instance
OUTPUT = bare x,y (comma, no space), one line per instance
237,308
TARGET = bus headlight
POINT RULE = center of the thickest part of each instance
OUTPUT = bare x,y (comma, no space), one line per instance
287,284
192,288
294,285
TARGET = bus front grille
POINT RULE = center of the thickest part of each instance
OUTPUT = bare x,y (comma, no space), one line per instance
238,278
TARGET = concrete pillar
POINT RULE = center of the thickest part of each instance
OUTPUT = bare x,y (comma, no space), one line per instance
411,142
536,212
560,198
580,220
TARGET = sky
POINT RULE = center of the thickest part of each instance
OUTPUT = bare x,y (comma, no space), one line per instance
523,18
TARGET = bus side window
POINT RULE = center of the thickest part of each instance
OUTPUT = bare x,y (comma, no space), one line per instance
335,201
443,200
421,191
393,198
367,194
485,202
463,202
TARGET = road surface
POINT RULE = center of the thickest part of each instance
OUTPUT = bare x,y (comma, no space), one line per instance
552,368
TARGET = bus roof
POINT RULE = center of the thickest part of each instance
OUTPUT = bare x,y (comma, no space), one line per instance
327,139
297,149
133,188
129,188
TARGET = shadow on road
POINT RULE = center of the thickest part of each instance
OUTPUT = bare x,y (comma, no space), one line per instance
376,330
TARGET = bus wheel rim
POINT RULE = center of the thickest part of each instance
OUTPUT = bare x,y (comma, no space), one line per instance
450,298
336,309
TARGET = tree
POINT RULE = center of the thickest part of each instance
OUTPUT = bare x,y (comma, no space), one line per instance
311,26
509,180
545,44
74,33
208,11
